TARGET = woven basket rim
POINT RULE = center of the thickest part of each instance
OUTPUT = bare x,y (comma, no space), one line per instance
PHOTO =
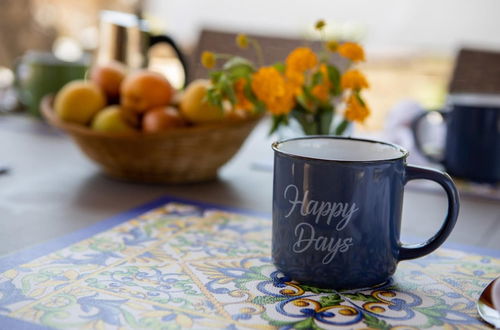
49,114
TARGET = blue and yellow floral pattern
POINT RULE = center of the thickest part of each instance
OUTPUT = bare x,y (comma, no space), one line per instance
184,266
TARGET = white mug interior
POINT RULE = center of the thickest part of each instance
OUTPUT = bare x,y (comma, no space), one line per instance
340,149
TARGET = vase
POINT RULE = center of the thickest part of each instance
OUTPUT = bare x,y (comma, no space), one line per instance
294,129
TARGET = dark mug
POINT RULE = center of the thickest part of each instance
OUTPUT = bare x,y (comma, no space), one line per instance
337,210
472,144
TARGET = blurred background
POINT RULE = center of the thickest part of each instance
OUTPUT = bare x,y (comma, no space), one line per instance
410,44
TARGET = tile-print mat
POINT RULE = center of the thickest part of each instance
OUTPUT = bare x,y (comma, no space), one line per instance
173,264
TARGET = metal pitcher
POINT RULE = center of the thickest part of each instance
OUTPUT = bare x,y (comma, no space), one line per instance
126,38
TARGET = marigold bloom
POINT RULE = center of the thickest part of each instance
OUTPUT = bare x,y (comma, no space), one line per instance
242,41
355,111
301,59
320,25
295,79
352,51
332,45
353,79
242,101
271,88
322,91
208,59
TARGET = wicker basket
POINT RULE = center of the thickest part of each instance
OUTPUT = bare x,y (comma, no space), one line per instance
183,155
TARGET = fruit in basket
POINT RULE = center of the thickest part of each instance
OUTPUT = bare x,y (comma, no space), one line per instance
194,105
78,101
110,120
143,90
109,78
131,117
162,119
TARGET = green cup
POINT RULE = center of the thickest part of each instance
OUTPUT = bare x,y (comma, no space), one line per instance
38,74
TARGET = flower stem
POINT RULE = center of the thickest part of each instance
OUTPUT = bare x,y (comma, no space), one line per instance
258,51
342,127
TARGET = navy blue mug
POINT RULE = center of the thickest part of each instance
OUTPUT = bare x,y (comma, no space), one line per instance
337,206
472,145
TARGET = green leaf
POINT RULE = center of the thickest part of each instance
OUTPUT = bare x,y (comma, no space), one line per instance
357,94
331,300
317,78
215,76
375,323
237,61
334,77
213,97
279,66
226,87
325,116
342,127
306,121
360,297
238,67
278,120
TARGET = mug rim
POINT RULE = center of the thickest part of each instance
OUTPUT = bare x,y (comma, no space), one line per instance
404,152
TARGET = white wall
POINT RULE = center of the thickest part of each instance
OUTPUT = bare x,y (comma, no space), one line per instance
435,25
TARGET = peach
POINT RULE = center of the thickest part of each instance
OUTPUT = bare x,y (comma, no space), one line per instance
78,101
194,105
110,120
109,78
143,90
162,119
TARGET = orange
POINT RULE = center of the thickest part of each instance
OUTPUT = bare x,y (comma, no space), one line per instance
109,78
143,90
162,119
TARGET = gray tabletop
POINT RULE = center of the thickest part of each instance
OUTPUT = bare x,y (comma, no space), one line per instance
52,189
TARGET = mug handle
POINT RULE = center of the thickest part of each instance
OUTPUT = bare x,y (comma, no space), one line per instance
444,180
414,129
155,39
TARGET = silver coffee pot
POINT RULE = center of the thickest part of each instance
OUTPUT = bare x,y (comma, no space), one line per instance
126,38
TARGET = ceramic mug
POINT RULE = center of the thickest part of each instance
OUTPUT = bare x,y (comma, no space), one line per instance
40,73
472,145
337,210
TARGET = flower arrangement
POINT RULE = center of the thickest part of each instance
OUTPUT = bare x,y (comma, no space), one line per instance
307,86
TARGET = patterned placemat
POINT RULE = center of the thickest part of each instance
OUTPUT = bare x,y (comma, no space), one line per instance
172,265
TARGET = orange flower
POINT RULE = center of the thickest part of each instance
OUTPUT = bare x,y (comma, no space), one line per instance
242,101
295,79
322,91
353,79
301,59
271,88
355,111
352,51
